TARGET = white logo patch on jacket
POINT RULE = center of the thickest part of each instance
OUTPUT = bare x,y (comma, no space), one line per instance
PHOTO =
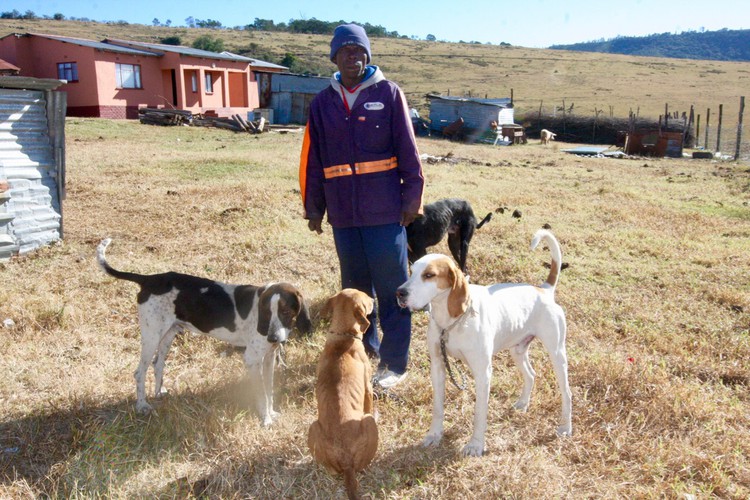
374,106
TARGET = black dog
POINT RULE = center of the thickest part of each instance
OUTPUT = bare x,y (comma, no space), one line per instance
452,216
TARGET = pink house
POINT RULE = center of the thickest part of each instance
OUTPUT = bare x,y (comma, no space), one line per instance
113,78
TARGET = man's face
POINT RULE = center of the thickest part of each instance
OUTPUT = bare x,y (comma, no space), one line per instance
351,61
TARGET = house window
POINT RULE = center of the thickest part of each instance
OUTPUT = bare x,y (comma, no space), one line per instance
67,71
194,81
209,84
128,76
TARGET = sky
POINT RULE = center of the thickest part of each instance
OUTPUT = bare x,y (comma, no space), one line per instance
526,23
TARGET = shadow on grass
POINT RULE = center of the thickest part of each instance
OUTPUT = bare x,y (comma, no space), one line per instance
41,447
91,446
272,474
83,445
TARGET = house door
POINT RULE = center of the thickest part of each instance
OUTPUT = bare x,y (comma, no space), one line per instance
300,107
174,88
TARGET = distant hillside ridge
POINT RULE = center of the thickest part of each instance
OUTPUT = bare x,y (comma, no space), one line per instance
721,45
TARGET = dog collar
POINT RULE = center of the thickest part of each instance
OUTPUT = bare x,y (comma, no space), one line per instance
350,335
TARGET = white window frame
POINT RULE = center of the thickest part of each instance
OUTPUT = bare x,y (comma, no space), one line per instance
128,76
209,83
194,81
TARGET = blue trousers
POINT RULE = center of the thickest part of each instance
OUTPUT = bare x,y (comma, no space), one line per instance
374,260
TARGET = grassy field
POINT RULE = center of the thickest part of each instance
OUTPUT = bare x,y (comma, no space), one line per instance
594,83
657,295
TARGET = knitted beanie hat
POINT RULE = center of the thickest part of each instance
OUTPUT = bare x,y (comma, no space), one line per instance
349,34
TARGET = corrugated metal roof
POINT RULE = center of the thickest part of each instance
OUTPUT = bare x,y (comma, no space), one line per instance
96,45
154,49
503,102
177,49
29,82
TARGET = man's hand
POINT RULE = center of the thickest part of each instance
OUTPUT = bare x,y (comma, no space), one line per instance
408,217
315,225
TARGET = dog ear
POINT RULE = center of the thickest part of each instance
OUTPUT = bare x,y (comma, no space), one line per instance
264,312
458,298
304,325
360,314
327,308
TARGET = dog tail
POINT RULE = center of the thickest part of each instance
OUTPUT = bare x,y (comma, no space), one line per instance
100,258
351,484
486,219
554,247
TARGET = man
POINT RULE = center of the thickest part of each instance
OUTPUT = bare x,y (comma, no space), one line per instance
360,165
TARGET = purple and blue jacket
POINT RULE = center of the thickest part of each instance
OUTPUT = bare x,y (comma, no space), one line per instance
360,163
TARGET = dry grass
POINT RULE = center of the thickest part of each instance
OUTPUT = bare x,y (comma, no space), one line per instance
657,296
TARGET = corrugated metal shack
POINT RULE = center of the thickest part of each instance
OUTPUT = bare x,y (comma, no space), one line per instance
32,163
289,95
658,142
477,114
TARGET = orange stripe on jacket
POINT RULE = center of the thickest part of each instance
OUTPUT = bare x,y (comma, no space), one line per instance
367,167
303,164
370,167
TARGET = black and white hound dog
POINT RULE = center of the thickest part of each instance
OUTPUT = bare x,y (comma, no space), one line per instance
475,322
258,318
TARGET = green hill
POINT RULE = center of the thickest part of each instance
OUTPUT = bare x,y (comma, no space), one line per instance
722,45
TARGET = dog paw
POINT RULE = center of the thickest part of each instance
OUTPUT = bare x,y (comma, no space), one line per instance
564,431
143,408
473,449
521,405
267,420
432,440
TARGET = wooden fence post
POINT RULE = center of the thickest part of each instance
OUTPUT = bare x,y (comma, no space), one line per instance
708,118
698,130
539,119
718,129
739,129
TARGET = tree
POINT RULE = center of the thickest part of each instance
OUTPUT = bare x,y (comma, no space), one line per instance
58,17
171,40
155,22
430,38
208,23
209,43
190,22
14,14
262,25
289,60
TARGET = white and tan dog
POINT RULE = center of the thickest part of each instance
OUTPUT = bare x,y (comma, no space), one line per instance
477,322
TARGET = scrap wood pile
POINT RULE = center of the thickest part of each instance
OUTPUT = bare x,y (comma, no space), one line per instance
170,117
155,116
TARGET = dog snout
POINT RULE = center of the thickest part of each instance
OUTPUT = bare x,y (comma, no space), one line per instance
277,337
402,294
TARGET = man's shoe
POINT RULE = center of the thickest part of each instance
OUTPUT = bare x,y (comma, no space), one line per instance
387,379
377,375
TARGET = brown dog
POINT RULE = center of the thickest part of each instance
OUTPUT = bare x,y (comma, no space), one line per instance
345,437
